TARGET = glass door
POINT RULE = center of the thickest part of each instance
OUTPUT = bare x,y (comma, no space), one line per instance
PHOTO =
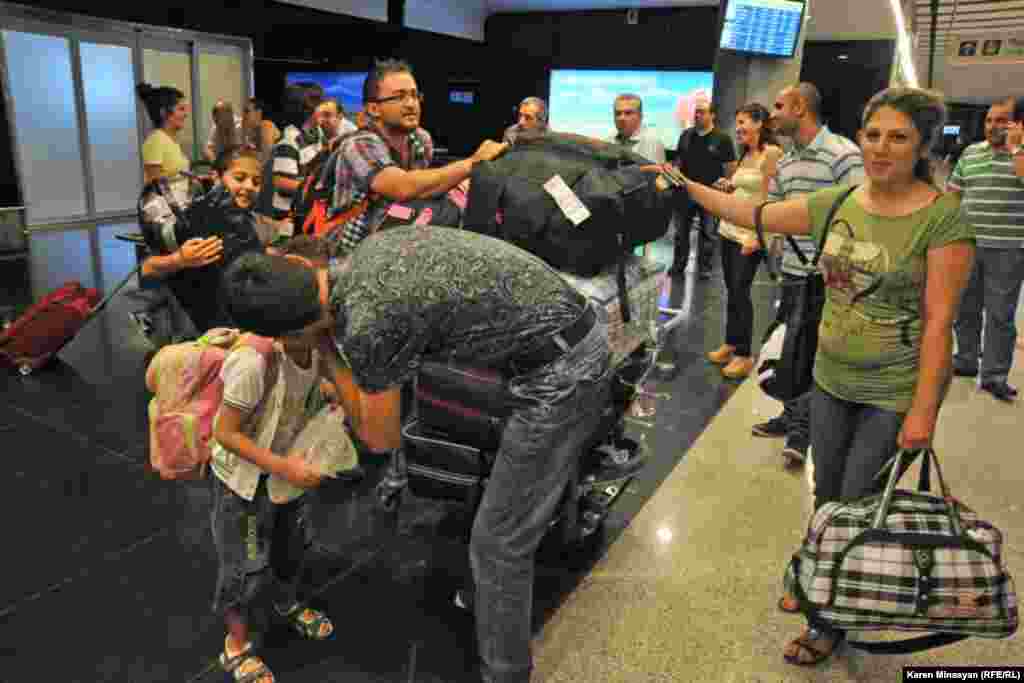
170,63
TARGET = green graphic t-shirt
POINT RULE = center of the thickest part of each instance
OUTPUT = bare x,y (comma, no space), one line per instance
869,344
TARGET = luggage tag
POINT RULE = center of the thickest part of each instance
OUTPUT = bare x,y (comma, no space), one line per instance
567,200
308,153
402,213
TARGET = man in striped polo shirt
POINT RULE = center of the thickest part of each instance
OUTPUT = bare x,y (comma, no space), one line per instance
989,180
817,158
300,142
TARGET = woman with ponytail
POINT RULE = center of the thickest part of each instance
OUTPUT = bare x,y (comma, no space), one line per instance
161,153
748,178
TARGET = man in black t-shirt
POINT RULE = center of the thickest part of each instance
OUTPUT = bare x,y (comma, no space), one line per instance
701,154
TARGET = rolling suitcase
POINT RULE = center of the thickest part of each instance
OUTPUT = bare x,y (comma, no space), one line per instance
34,339
468,404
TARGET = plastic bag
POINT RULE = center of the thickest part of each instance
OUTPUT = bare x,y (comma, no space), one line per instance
327,446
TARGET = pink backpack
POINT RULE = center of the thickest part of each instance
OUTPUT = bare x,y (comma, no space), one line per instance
185,379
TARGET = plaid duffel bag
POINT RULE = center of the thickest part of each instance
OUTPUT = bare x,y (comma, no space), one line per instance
905,561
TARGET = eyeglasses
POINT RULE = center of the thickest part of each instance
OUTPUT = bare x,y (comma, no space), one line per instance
402,97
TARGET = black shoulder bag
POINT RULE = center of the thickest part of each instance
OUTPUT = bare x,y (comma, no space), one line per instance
789,373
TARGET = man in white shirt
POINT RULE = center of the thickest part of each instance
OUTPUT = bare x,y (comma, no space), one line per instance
629,116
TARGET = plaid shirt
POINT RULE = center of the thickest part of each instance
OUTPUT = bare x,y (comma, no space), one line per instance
360,157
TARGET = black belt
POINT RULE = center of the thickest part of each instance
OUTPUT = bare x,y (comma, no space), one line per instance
557,345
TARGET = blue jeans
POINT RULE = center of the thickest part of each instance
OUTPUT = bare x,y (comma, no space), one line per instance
851,442
796,412
994,288
561,406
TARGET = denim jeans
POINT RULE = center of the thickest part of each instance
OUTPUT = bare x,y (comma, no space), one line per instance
738,271
994,288
851,442
705,236
560,406
260,546
795,412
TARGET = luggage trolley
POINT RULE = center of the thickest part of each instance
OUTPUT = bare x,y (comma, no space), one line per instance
453,462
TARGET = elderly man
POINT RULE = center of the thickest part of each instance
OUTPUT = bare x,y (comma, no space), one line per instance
817,158
533,115
988,178
629,117
702,154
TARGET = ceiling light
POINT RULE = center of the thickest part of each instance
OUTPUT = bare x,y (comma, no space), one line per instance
903,45
844,57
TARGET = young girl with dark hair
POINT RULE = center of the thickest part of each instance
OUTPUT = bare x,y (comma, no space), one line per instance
748,178
218,228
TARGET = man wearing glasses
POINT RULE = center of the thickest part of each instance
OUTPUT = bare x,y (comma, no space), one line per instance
389,160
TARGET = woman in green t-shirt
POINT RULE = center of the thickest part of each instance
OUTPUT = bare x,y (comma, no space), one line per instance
896,262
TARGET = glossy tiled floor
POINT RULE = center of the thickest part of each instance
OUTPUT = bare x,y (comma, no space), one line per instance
109,572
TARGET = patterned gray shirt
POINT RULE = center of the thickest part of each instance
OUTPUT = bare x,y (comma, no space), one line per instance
413,292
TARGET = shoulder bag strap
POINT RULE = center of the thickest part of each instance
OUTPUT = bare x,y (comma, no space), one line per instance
759,229
828,222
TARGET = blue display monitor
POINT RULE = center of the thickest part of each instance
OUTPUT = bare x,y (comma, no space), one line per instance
344,86
582,100
768,28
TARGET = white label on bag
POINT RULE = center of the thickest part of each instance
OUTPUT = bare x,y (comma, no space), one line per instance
567,200
307,154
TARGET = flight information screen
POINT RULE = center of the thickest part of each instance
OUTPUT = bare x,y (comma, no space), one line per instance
763,27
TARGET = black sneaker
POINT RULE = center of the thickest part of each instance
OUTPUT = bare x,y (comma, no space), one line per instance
774,428
964,370
795,449
1000,390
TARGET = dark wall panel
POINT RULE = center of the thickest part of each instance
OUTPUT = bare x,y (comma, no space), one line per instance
514,61
847,84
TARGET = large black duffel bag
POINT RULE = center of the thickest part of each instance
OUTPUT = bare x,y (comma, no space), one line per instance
628,207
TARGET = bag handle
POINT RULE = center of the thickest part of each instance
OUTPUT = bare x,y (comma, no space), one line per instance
897,467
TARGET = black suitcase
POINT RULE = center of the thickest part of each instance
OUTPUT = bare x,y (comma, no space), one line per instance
467,403
508,200
441,468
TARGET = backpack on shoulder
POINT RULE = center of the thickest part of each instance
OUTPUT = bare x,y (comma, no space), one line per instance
185,379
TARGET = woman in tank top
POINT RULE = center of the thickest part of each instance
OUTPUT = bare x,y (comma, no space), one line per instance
748,178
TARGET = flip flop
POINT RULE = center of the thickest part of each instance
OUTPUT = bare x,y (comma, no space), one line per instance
788,604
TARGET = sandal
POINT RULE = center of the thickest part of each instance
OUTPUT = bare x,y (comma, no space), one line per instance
806,652
257,672
307,621
788,604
